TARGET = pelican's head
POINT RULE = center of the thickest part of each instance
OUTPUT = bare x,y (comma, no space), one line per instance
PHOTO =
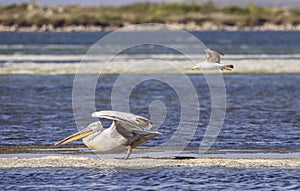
90,129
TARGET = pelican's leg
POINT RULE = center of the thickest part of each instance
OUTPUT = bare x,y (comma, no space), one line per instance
128,152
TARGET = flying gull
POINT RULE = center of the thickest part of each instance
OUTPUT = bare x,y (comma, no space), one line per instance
212,61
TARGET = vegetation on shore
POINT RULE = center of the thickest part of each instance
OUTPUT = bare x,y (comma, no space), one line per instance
188,13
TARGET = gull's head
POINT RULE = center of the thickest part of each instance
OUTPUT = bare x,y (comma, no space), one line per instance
90,129
196,67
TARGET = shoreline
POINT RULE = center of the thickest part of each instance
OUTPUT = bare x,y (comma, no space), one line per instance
141,163
188,27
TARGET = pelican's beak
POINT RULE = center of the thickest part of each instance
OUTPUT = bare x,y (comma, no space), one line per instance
81,134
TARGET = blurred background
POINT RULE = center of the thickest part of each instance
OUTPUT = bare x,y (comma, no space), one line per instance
109,15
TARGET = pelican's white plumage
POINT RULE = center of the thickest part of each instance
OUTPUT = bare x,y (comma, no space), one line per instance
126,132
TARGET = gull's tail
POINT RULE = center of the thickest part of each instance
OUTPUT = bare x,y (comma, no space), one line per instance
228,67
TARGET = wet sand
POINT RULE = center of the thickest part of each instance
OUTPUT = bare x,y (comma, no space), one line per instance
89,162
243,64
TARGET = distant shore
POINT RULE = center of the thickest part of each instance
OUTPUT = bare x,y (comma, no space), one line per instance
189,16
189,27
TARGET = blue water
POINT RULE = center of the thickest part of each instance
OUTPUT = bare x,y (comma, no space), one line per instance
236,42
183,178
262,109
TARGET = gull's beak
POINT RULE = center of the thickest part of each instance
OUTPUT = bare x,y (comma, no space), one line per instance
81,134
194,68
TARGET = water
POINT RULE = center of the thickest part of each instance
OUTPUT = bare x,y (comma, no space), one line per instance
262,110
238,42
184,178
262,115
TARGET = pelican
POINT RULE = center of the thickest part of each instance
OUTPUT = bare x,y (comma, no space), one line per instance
126,132
212,61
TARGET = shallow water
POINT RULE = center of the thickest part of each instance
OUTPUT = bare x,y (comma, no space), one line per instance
184,178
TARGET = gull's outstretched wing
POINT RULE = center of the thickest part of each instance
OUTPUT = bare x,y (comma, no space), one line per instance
213,56
125,119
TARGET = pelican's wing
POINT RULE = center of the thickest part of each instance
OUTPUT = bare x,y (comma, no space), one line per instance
135,129
213,56
132,135
125,119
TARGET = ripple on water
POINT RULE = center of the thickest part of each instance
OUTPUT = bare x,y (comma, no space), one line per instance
183,178
262,110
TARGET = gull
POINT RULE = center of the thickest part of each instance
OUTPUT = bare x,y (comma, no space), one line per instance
212,61
126,132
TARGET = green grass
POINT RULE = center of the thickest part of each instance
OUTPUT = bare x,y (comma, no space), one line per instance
24,15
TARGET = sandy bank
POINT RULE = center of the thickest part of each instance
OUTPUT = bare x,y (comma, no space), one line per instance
75,161
243,64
